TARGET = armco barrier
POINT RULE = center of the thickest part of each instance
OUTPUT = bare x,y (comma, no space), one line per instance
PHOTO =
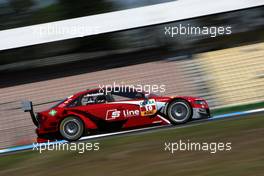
120,20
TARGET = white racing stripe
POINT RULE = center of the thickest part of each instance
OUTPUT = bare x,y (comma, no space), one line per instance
166,120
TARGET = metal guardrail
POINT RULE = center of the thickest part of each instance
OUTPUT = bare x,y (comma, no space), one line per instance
119,20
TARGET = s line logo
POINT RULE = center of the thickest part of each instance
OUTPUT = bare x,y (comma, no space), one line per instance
112,114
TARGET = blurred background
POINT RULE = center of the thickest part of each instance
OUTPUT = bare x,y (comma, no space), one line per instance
227,70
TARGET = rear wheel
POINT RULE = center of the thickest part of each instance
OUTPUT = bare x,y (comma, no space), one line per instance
179,111
71,128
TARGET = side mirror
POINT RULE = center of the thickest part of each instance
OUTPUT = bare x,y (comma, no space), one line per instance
27,106
147,96
146,99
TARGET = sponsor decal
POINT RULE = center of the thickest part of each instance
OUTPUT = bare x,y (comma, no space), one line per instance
130,113
94,95
148,107
114,113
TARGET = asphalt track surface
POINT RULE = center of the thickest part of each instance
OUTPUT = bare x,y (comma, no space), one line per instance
139,131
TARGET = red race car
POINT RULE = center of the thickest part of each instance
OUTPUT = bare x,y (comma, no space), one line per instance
95,111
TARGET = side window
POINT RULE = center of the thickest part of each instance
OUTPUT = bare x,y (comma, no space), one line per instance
92,98
89,98
74,103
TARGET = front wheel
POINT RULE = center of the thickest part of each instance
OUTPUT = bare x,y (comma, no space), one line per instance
71,128
179,111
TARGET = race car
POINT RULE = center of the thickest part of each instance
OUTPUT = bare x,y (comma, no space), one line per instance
99,111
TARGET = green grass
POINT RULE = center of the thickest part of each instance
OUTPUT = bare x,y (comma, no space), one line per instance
238,108
143,154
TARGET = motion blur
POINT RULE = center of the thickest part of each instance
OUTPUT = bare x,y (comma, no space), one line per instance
226,69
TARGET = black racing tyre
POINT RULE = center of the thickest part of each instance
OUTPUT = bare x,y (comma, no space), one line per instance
71,128
179,111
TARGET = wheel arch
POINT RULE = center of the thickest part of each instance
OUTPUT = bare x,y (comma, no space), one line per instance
68,137
87,122
177,99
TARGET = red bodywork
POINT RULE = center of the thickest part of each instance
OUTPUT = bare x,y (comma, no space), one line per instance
113,115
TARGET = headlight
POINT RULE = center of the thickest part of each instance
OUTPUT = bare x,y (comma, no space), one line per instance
200,102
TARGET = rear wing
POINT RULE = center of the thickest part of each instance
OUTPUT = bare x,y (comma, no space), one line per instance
27,106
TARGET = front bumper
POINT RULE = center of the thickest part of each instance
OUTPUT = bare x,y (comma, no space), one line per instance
48,137
201,113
